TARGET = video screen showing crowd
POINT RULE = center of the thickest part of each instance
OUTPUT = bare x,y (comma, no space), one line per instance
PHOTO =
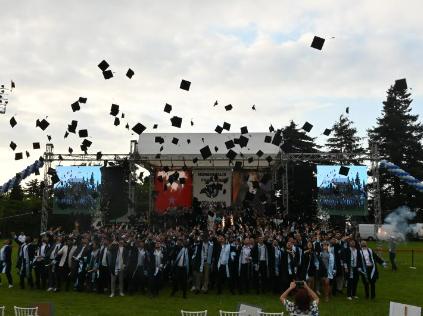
261,256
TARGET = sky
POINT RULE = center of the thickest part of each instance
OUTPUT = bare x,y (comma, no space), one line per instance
237,52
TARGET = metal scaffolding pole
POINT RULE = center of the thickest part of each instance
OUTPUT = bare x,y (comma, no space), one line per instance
377,206
46,191
133,150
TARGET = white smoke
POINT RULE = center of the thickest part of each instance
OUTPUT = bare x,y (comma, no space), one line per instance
397,224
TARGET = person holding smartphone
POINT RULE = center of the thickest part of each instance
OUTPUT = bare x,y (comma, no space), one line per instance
305,300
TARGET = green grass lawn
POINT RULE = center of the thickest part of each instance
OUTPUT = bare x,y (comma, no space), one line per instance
405,286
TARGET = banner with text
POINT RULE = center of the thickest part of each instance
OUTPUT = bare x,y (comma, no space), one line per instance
213,186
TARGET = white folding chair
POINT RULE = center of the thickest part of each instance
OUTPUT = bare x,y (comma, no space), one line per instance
270,314
22,311
2,310
193,313
225,313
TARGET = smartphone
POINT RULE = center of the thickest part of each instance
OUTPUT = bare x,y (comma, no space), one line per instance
299,284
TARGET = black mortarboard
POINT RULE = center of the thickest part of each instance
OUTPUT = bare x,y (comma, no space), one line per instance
236,141
271,128
269,159
244,130
253,107
243,141
343,171
215,103
37,172
18,156
70,150
84,148
72,126
36,146
259,153
83,133
192,123
43,124
182,180
175,140
49,138
307,127
155,126
159,139
130,73
12,84
107,74
99,155
176,121
87,143
82,100
347,110
205,152
116,122
317,42
327,132
139,128
277,139
216,148
400,84
195,160
75,106
228,107
166,169
13,122
189,141
185,85
226,126
218,129
161,148
231,154
103,65
167,108
13,145
250,159
123,115
114,109
27,154
268,139
229,144
127,126
157,156
238,165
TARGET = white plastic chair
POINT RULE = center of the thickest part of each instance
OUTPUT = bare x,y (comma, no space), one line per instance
270,314
198,313
2,310
225,313
22,311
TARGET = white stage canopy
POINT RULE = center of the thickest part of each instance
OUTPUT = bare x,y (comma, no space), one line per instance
184,152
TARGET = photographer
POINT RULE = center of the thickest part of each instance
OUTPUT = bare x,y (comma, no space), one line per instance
305,300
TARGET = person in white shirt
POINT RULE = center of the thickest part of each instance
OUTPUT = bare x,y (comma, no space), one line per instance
369,271
118,260
245,267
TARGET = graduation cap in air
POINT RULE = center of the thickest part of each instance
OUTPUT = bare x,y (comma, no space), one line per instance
268,139
243,141
307,127
226,126
260,153
107,74
244,130
82,100
103,65
229,144
253,107
238,165
400,84
185,85
269,159
228,107
87,143
343,171
12,84
13,122
188,141
49,138
70,150
195,160
155,126
99,155
216,149
327,132
43,124
167,108
139,128
159,139
18,156
277,139
215,103
114,109
347,110
176,121
218,129
205,152
83,133
127,126
231,154
271,128
250,159
175,141
130,73
75,106
36,145
13,145
72,127
317,42
116,122
27,154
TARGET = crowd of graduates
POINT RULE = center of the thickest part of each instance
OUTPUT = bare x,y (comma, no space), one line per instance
262,256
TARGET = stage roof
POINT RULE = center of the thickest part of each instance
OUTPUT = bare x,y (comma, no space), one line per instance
184,151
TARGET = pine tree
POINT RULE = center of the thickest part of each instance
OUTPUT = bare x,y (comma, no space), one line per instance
344,137
32,188
16,194
398,135
297,141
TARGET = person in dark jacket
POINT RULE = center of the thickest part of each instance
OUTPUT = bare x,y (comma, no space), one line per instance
351,268
369,271
25,261
6,261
